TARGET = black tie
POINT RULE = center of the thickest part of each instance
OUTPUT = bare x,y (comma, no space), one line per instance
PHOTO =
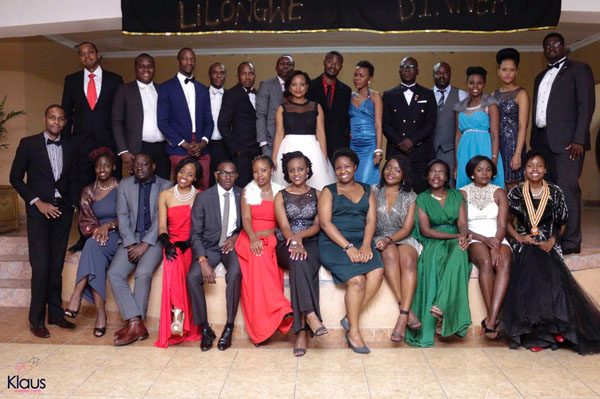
57,143
404,87
187,80
253,91
329,95
555,65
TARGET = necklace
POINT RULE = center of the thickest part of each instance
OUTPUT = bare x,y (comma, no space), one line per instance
109,187
439,198
535,215
538,193
266,192
184,197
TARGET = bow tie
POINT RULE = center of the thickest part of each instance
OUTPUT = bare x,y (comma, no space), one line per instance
253,91
218,91
57,143
404,87
555,65
188,80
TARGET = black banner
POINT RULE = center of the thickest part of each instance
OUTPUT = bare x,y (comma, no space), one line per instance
199,16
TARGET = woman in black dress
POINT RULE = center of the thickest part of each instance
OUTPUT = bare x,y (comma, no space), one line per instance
544,305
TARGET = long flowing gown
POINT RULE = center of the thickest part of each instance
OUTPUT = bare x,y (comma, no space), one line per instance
509,131
443,273
543,298
300,127
174,287
263,302
474,126
364,139
96,258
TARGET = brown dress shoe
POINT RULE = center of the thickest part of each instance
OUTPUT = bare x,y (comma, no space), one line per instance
40,332
136,331
122,330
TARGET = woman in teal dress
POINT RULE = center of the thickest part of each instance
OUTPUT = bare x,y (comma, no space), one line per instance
347,214
366,110
477,128
441,300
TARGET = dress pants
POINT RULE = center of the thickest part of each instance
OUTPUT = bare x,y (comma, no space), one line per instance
243,163
47,240
233,278
448,157
132,304
418,173
218,153
161,159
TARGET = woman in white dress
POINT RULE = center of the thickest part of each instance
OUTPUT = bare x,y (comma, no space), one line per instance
299,126
487,210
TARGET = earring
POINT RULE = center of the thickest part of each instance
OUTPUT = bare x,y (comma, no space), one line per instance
472,177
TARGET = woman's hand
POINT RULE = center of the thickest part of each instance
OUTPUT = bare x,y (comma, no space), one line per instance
492,242
100,233
527,239
367,253
256,246
463,241
297,251
382,244
496,256
354,255
377,157
547,246
515,162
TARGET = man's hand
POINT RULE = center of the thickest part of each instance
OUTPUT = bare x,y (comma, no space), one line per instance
406,145
135,251
47,209
127,160
575,151
208,273
229,244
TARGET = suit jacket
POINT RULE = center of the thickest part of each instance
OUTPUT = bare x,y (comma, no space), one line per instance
237,121
206,220
415,121
89,129
268,99
570,108
32,159
174,120
337,118
127,210
128,117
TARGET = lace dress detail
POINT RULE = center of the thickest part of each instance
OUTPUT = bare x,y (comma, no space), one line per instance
482,210
509,131
480,197
301,210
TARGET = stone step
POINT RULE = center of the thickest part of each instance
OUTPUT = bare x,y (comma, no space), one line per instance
14,267
15,292
10,245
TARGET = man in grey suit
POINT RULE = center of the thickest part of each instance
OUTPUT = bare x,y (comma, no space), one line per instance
446,97
268,99
216,222
563,104
134,121
139,249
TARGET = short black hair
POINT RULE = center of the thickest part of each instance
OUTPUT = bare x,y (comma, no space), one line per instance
345,152
557,35
444,164
532,154
288,81
477,70
183,50
473,162
150,156
336,54
86,42
265,158
404,163
368,65
193,161
143,55
51,106
250,64
226,161
287,157
508,54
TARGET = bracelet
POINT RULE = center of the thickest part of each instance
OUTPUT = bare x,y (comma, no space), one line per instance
378,151
347,247
389,238
494,155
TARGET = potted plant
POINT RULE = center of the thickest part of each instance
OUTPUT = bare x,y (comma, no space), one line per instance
9,211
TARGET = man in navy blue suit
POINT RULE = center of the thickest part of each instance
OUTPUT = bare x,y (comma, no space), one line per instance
184,115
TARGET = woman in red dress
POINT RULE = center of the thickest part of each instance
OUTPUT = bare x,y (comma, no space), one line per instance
175,220
266,309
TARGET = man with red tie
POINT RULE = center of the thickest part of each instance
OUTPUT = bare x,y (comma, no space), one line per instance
87,100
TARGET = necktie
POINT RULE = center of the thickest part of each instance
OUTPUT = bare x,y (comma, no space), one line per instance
57,143
224,219
329,95
91,92
555,65
188,80
404,87
442,99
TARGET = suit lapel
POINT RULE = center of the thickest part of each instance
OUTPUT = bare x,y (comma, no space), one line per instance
216,204
135,196
559,75
47,166
137,98
238,198
184,108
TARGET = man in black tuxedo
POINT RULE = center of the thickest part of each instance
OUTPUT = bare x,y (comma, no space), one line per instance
134,119
216,222
51,195
409,117
87,100
563,104
334,97
237,122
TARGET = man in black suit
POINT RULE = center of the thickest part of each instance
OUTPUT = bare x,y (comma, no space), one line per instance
563,104
334,97
217,147
87,100
409,117
134,120
237,122
50,195
216,222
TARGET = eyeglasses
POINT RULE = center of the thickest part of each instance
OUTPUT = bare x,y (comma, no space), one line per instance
408,66
225,173
552,45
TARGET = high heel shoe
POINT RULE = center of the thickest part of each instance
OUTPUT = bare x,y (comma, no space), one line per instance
345,323
559,338
319,331
177,324
99,332
396,337
363,350
414,326
536,349
485,330
72,313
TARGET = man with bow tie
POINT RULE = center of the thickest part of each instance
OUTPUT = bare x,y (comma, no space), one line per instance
237,122
185,117
409,117
51,194
564,101
217,147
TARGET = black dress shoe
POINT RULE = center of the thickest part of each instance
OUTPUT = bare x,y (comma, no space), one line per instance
78,246
40,332
62,323
208,336
571,251
225,340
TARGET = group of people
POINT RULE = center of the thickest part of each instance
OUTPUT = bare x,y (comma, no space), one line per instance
321,199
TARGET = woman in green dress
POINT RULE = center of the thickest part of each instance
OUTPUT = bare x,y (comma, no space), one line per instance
441,301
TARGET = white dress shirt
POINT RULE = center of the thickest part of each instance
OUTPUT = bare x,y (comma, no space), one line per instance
216,98
55,155
232,208
281,82
252,97
408,93
189,90
150,131
544,93
97,80
437,92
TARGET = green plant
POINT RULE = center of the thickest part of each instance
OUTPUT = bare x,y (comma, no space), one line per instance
5,116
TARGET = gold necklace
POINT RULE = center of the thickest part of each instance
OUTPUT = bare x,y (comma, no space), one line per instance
99,186
438,198
535,215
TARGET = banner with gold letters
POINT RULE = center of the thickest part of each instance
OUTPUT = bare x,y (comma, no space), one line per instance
165,17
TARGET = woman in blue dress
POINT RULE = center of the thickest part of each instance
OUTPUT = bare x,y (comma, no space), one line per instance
477,127
98,221
366,110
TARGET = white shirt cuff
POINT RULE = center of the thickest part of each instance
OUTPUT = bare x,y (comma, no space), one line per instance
34,200
262,143
122,152
205,139
180,143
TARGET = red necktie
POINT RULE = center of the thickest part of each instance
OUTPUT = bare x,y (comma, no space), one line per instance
91,92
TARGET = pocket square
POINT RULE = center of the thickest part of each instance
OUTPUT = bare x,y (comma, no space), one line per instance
422,101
